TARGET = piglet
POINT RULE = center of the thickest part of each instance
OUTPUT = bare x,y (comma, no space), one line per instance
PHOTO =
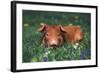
72,34
52,35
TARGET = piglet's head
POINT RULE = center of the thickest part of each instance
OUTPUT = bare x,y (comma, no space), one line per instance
73,34
52,35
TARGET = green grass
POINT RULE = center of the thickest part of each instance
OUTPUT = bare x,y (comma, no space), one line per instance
33,51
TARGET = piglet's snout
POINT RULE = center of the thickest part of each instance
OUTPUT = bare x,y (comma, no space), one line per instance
54,46
54,43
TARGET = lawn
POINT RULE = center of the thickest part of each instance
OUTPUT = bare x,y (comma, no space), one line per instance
33,51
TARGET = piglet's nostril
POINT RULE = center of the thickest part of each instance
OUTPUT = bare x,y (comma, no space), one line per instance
53,45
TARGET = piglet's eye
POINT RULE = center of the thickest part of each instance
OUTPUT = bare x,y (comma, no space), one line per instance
59,34
47,34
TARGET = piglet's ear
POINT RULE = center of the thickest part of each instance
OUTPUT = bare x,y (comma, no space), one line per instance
62,28
42,27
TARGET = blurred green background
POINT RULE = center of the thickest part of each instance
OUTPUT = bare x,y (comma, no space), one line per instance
32,49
